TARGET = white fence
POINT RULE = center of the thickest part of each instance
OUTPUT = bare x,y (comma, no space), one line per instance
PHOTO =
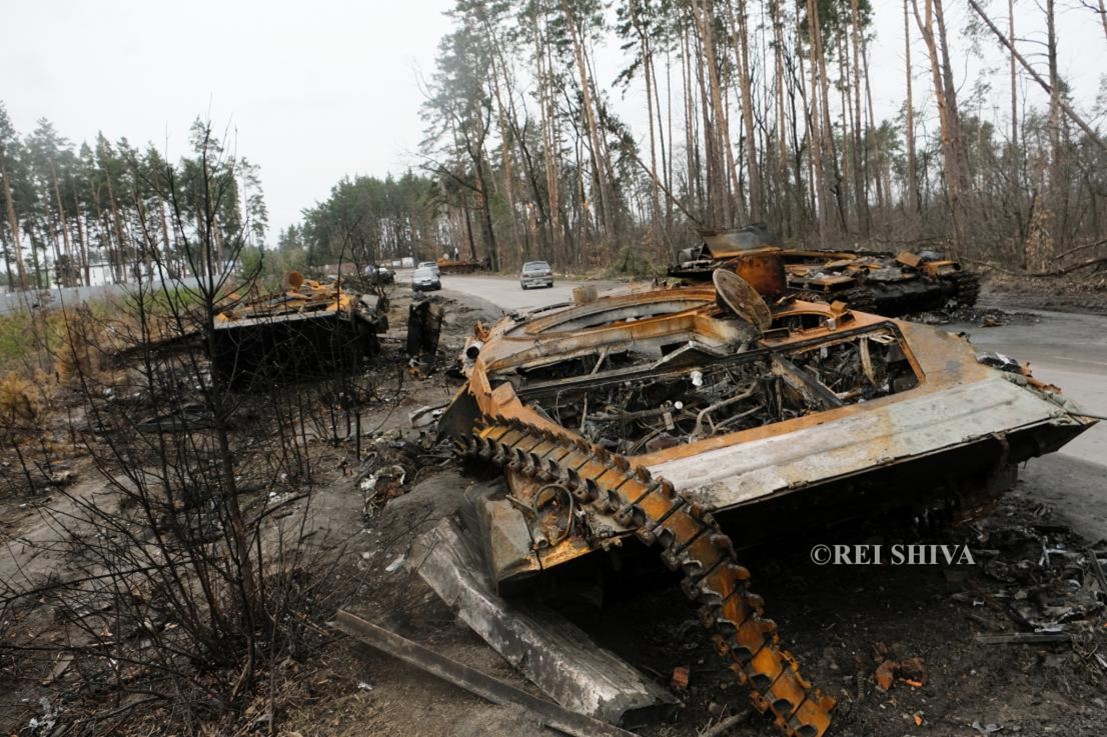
59,296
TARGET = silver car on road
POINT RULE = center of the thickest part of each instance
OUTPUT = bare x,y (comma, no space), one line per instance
536,274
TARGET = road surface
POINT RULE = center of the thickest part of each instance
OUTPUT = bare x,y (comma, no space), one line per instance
1069,350
505,292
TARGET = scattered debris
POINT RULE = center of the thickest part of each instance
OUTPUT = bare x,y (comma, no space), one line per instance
384,484
44,725
1052,585
550,651
679,679
1097,569
1022,638
727,724
426,417
885,674
59,669
911,671
986,729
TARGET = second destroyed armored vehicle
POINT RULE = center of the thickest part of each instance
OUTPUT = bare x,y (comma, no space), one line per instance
883,283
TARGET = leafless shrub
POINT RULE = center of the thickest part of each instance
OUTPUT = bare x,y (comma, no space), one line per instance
183,574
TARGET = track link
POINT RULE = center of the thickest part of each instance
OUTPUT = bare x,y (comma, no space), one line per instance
691,542
861,299
967,287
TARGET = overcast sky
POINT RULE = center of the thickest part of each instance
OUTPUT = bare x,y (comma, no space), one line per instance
315,90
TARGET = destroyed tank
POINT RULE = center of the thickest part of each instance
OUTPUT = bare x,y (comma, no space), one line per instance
448,265
304,330
883,283
670,415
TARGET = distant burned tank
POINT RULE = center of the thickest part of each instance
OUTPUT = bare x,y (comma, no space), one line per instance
448,265
882,283
304,330
673,415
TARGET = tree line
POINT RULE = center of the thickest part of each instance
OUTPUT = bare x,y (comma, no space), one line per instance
367,220
102,212
752,110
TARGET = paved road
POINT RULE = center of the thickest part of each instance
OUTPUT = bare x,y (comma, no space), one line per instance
505,292
1068,350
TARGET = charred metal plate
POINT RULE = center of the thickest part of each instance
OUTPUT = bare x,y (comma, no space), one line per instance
739,296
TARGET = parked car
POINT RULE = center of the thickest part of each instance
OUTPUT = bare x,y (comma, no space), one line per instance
424,279
379,274
432,265
536,274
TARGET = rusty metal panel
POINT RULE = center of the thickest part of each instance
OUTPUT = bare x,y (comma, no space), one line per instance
738,474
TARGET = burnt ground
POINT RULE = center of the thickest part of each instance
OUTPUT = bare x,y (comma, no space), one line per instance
840,621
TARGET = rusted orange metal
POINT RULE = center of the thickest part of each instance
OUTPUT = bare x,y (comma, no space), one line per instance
890,284
936,366
764,271
671,415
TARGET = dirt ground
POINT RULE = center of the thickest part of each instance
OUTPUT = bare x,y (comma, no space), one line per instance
842,622
1083,292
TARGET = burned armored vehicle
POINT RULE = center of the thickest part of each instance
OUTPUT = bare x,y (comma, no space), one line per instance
670,415
304,330
883,283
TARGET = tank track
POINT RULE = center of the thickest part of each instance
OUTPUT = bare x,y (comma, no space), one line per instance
861,299
966,287
691,542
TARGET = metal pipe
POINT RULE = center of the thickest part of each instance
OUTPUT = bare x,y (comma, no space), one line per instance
719,405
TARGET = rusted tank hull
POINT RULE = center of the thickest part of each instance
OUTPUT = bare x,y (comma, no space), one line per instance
883,283
260,351
701,423
952,427
307,330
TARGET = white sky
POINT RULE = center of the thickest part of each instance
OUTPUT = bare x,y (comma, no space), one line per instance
313,91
